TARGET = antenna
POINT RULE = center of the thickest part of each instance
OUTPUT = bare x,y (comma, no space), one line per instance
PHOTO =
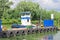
40,16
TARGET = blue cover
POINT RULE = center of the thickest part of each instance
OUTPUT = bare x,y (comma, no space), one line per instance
0,25
19,26
48,23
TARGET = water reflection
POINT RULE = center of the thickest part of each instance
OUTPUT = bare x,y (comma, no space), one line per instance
57,36
41,36
48,37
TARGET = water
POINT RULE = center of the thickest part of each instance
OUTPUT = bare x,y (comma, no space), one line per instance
37,36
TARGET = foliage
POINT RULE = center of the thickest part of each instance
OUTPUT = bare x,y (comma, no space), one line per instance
13,15
4,7
29,6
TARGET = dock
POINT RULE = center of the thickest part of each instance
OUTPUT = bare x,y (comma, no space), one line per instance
23,31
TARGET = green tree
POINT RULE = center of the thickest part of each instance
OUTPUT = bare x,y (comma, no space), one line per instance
4,7
29,6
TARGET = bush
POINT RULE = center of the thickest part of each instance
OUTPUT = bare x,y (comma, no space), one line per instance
34,21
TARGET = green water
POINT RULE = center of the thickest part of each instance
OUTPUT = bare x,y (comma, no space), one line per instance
37,36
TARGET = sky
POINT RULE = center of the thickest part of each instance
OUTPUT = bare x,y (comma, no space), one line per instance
50,4
46,4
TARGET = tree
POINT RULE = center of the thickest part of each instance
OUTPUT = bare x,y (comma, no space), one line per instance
4,7
29,6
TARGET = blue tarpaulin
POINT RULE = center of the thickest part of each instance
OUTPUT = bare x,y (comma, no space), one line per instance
48,23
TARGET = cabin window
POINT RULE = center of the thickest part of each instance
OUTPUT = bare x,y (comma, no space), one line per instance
27,20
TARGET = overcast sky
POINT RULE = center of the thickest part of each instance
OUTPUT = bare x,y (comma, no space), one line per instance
47,4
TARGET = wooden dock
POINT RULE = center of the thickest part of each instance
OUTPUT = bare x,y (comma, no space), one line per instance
23,31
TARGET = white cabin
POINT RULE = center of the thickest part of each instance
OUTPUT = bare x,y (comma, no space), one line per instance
25,18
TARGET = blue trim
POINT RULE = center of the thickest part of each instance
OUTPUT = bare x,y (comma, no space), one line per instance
25,18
